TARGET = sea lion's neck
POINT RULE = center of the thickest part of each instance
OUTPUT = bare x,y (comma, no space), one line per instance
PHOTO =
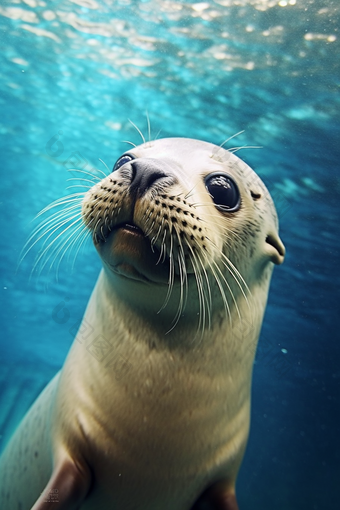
134,312
113,327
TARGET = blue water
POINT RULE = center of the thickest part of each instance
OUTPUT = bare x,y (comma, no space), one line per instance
71,75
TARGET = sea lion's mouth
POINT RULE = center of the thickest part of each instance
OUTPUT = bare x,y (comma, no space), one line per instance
129,253
130,227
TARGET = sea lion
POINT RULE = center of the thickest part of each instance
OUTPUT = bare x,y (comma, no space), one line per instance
151,409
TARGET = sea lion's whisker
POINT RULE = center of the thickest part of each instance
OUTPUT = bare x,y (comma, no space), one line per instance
180,303
107,168
200,289
207,299
150,228
236,276
81,179
138,130
130,143
90,174
183,275
160,253
233,271
42,254
74,202
79,186
230,138
236,149
171,273
221,289
86,235
81,230
231,265
230,233
225,228
44,250
55,216
188,195
203,204
158,133
54,221
156,236
149,126
146,212
73,197
228,287
185,272
60,246
96,225
57,225
163,248
201,295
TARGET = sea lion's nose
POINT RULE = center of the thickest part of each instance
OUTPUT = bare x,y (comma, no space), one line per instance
146,172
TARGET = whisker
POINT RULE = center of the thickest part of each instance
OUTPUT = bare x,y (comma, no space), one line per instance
171,273
133,144
56,217
236,271
221,289
62,201
79,186
183,281
230,291
235,149
86,236
149,127
237,277
84,172
207,298
63,220
80,231
158,133
55,252
40,257
101,171
201,294
139,131
81,180
231,137
189,193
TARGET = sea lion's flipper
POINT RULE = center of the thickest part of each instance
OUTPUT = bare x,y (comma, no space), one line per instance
67,487
224,502
218,497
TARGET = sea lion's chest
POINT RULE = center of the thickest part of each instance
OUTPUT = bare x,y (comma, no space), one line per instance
166,424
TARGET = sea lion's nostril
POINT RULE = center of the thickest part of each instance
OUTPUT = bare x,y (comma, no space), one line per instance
145,174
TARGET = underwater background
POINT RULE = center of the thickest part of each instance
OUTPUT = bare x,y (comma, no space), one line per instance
72,74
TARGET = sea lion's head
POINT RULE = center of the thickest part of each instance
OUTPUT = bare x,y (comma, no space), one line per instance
184,221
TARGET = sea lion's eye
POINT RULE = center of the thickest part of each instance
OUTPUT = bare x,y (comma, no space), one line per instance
223,191
122,160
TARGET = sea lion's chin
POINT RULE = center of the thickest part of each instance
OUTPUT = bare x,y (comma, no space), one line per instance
127,253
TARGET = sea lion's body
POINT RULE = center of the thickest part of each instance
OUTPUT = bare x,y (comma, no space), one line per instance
146,415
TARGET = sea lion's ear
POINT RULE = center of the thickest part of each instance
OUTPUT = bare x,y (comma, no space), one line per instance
67,487
275,248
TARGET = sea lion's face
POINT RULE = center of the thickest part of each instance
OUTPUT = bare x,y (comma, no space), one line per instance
179,210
